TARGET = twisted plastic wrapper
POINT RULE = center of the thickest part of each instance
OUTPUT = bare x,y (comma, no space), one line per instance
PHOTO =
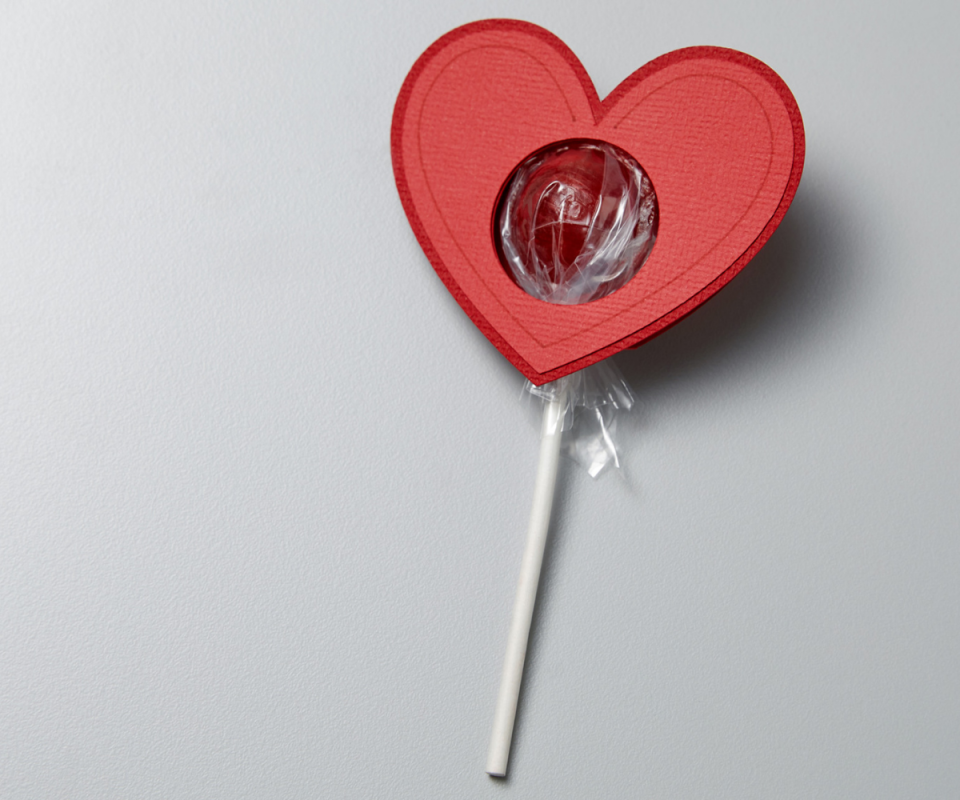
575,223
591,400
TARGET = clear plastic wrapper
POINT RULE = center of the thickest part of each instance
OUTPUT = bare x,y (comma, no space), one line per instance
576,221
591,400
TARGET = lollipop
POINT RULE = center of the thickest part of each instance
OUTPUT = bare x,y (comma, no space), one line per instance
570,228
577,220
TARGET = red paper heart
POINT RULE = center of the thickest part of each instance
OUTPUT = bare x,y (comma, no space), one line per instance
717,131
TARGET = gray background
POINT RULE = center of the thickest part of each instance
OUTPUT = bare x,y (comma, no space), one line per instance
264,487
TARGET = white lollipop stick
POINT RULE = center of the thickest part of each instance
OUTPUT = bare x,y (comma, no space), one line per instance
526,589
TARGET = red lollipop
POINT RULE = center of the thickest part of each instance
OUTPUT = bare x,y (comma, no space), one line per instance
576,221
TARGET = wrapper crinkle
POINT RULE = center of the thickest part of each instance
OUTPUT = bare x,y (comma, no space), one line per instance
591,399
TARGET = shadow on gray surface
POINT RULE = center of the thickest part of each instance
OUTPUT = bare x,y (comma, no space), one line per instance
798,282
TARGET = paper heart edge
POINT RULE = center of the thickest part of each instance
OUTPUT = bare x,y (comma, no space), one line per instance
599,108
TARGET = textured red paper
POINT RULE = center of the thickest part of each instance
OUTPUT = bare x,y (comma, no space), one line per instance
718,133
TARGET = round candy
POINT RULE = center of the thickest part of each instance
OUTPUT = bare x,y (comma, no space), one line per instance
575,221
